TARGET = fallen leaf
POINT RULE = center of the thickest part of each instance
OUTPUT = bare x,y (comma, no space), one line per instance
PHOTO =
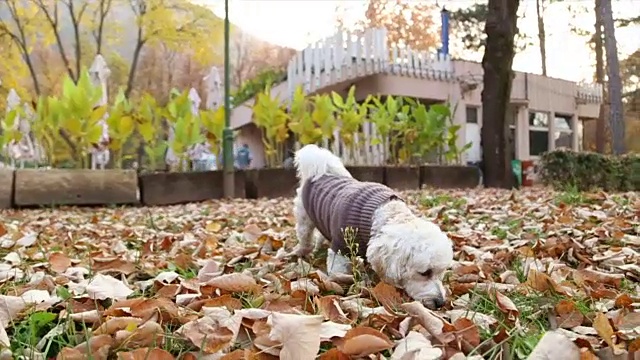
104,287
554,345
604,329
415,347
59,262
299,335
468,330
235,282
362,341
145,354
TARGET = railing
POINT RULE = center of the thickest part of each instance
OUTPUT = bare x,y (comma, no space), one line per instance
346,56
590,93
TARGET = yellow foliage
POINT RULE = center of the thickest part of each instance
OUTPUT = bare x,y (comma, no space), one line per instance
179,24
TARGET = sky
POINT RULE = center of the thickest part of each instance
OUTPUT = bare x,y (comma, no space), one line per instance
295,23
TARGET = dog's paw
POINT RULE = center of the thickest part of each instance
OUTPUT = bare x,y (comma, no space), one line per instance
297,251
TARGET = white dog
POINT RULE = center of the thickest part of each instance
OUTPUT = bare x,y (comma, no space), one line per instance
405,250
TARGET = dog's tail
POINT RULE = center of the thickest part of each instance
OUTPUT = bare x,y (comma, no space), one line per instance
312,162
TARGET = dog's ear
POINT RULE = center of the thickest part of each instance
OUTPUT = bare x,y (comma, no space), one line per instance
390,265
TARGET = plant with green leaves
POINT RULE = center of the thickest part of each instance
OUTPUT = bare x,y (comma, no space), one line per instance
323,115
149,127
9,131
75,115
271,117
382,115
186,126
351,116
121,126
300,120
213,123
452,153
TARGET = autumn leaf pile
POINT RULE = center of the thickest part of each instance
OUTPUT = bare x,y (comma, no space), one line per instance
536,272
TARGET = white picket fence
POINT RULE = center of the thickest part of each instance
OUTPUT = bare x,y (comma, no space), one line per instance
347,56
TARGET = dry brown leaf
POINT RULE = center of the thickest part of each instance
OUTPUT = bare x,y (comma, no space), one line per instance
329,307
145,354
146,335
362,341
97,347
604,329
568,315
234,282
112,325
542,282
113,264
207,334
506,306
59,262
333,354
624,301
388,296
166,308
468,330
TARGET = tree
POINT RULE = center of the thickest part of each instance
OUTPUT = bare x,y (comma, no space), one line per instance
100,13
598,44
468,24
542,36
76,11
616,114
251,56
23,28
501,29
176,23
408,23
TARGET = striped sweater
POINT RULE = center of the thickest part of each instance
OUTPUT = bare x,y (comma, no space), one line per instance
336,202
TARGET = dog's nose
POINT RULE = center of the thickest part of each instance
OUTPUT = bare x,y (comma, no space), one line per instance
438,302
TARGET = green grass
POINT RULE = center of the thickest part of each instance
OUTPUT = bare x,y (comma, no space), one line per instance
533,320
443,199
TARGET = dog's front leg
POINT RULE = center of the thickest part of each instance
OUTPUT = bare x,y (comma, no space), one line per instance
304,231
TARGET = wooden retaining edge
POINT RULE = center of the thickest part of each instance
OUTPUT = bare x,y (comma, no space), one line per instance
51,187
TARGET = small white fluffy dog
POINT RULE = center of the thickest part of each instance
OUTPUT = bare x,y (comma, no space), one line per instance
405,250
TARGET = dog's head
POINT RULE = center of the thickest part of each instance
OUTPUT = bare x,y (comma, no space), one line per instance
413,255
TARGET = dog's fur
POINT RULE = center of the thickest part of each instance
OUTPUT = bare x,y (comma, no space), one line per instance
402,249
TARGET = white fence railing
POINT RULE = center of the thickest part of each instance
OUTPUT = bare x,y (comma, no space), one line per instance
590,93
346,56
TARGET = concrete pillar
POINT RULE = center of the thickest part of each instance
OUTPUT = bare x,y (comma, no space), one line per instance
552,130
575,140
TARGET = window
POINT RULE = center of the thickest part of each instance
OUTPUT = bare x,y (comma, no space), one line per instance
563,137
472,115
538,133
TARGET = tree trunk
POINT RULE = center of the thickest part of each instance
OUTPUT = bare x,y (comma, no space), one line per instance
501,29
601,129
134,63
542,36
616,116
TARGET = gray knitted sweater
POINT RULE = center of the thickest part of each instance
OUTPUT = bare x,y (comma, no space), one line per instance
336,202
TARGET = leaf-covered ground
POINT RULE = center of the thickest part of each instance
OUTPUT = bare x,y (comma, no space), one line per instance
202,281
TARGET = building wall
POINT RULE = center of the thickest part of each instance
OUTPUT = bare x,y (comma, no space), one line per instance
530,93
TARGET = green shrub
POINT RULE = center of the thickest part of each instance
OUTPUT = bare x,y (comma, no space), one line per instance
587,171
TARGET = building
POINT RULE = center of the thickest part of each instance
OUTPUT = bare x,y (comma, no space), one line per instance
545,113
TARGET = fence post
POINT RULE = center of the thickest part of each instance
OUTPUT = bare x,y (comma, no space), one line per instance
99,72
